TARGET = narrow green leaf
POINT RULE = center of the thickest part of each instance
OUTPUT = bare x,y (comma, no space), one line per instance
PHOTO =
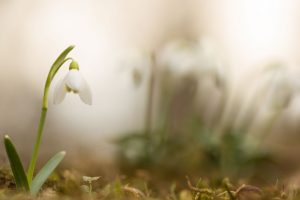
16,164
63,55
45,172
60,59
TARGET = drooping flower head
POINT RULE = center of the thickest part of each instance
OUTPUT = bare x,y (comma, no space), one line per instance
73,82
199,57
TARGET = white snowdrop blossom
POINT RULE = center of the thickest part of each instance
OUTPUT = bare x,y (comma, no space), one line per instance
199,57
73,82
138,62
279,86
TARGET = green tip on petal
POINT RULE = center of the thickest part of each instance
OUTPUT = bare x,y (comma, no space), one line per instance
74,65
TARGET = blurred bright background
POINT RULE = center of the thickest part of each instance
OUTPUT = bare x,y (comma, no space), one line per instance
241,57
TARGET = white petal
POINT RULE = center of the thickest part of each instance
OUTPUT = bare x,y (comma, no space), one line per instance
60,91
85,93
74,80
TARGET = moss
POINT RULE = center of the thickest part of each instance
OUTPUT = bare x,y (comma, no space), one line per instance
67,185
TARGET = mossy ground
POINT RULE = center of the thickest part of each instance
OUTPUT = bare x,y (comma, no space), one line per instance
66,184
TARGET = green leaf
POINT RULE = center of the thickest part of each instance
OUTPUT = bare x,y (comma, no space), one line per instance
45,172
16,164
60,60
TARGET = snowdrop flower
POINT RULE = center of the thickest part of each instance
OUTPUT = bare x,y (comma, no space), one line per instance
138,62
180,56
199,57
73,82
278,86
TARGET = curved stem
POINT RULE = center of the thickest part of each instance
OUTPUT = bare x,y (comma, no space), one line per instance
54,69
50,77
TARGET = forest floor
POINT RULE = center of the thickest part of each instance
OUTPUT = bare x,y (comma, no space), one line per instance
68,184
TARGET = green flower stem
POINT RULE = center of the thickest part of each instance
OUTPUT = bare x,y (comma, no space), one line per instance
37,145
54,69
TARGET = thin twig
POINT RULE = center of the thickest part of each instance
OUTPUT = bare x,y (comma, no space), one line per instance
232,194
200,190
248,188
138,193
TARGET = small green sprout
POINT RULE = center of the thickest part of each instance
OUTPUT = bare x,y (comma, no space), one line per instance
73,82
89,180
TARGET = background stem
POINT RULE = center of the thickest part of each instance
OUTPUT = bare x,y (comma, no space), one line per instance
149,106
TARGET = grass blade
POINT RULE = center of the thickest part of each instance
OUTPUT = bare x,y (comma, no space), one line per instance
16,164
45,172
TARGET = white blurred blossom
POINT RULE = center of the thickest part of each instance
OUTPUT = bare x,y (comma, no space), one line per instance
185,56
